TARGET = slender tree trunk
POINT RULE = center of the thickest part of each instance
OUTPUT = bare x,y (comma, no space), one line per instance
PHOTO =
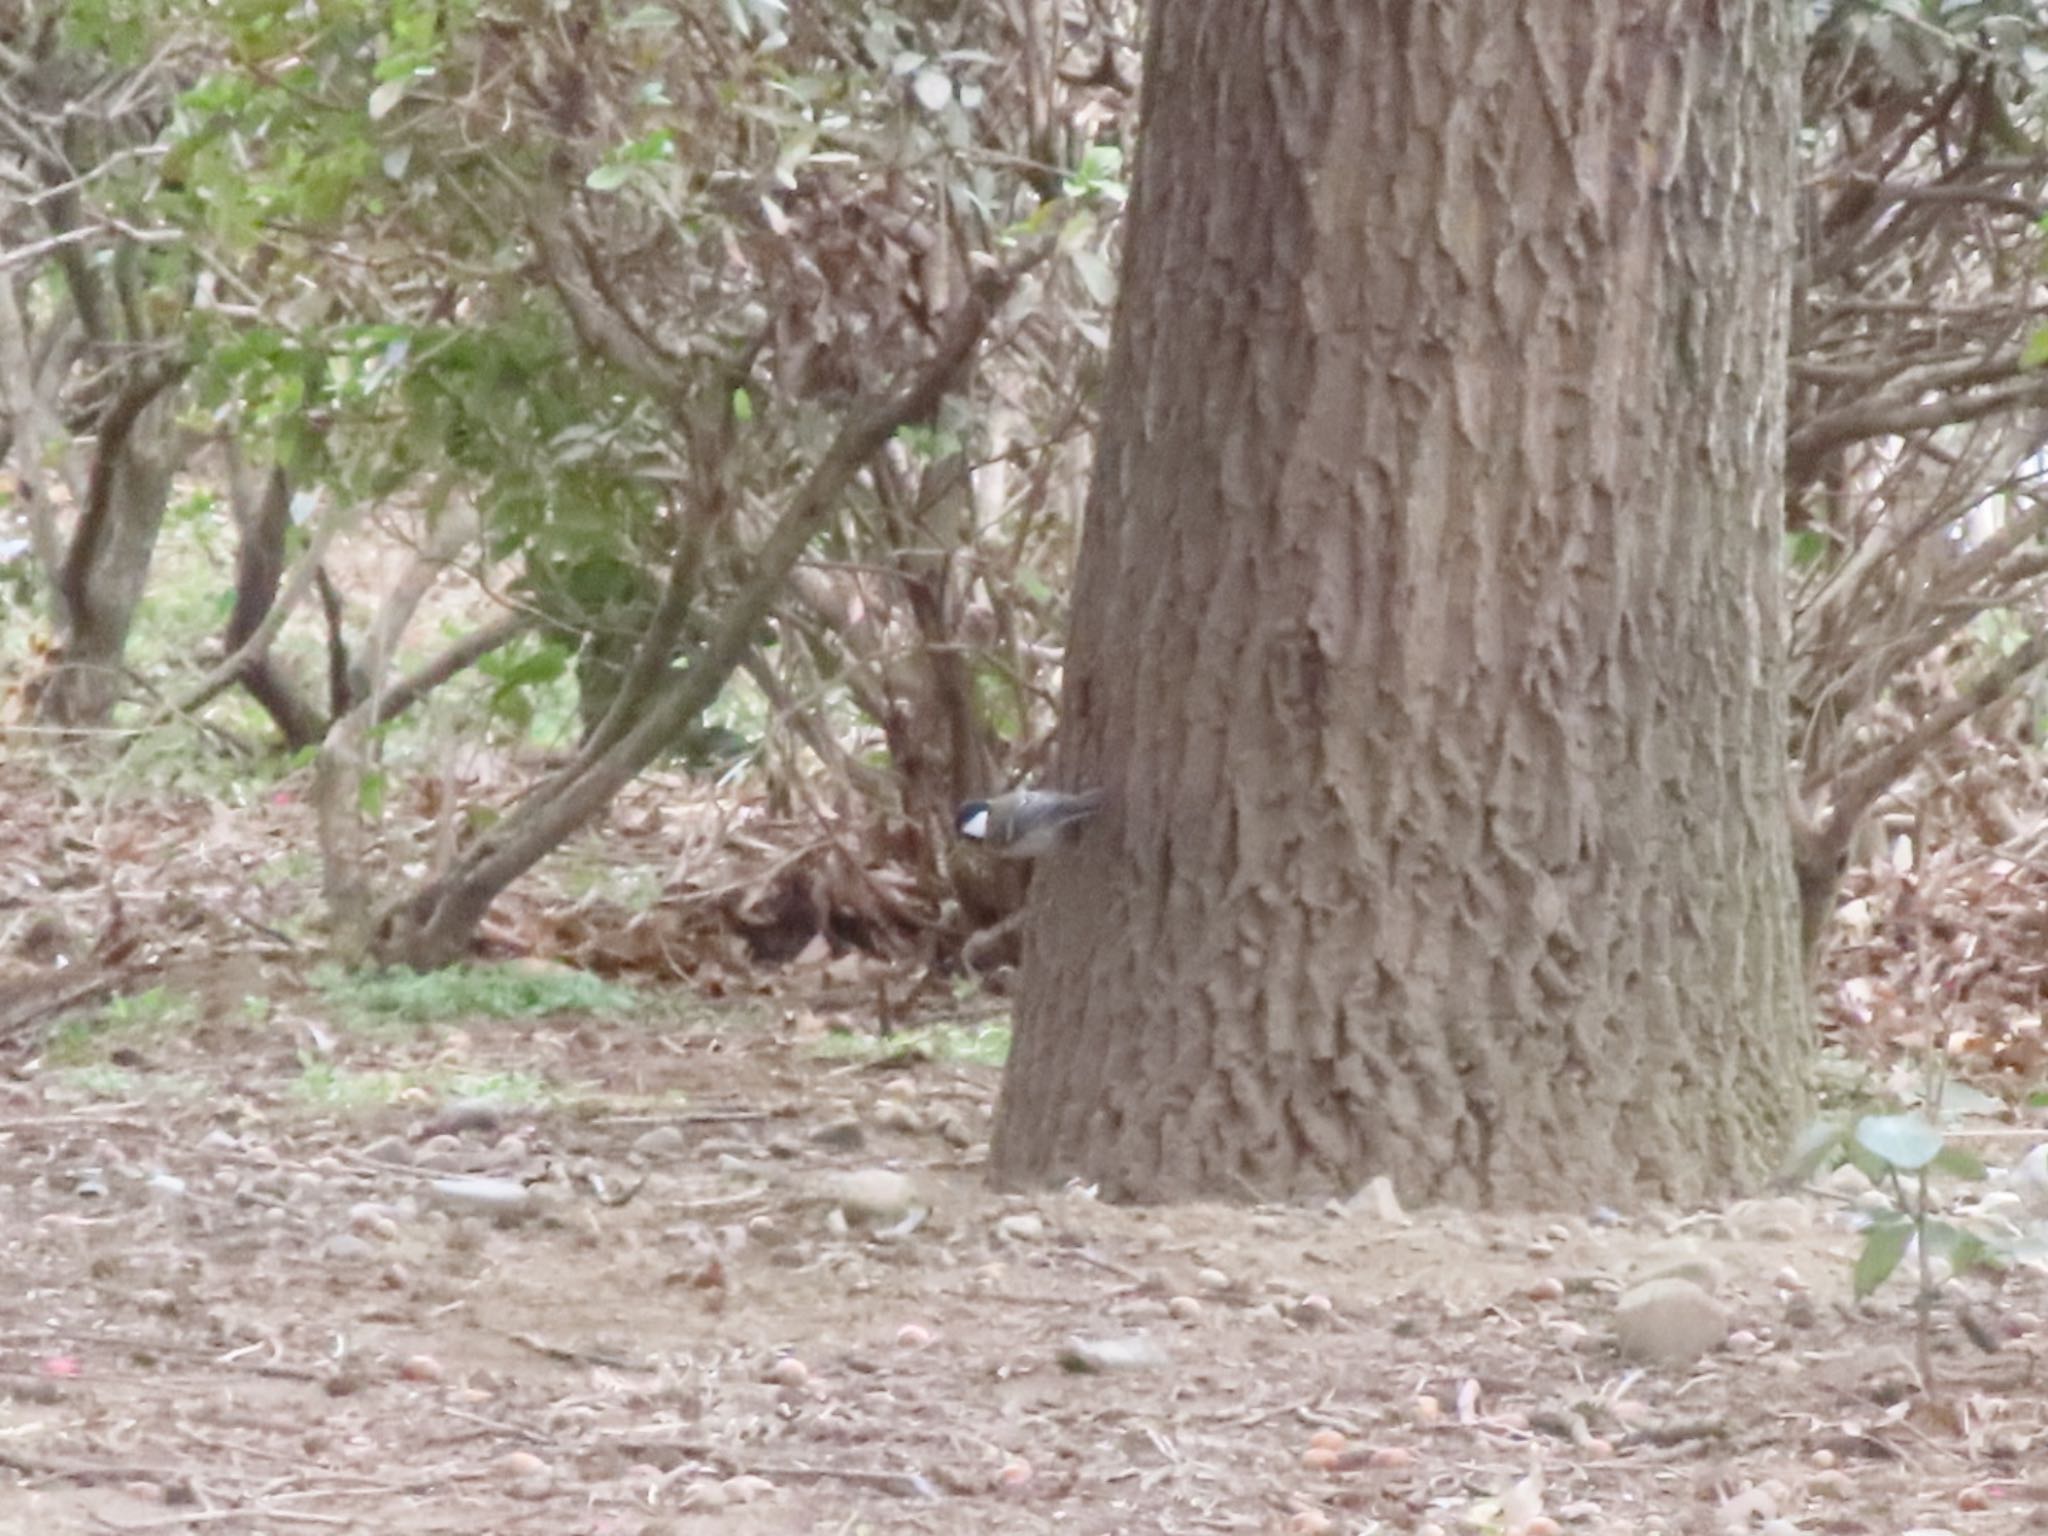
1427,624
106,564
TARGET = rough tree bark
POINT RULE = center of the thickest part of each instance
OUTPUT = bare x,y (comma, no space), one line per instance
1427,623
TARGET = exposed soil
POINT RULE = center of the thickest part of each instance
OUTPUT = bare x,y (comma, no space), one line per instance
225,1308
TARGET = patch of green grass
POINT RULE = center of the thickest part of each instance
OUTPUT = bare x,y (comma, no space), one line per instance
330,1086
493,991
981,1045
104,1080
132,1020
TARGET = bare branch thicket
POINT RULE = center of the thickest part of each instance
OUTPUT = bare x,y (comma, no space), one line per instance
1916,477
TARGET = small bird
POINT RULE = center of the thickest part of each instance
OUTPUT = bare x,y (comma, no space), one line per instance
1026,822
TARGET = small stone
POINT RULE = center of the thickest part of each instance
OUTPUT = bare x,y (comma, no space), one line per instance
374,1224
840,1136
1183,1309
1776,1220
913,1336
1128,1353
1549,1288
347,1248
1313,1310
1668,1321
788,1371
894,1115
1425,1409
1682,1262
1021,1227
745,1488
521,1464
661,1143
703,1493
1800,1311
395,1151
1787,1279
1387,1458
1212,1280
466,1115
1973,1498
873,1195
1831,1484
1606,1216
1541,1249
1571,1334
1822,1459
218,1141
420,1368
501,1200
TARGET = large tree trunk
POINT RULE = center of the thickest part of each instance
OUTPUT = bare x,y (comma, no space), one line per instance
1427,626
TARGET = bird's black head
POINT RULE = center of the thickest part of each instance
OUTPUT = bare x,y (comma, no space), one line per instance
971,820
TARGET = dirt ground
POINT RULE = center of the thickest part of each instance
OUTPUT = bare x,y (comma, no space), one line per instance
226,1307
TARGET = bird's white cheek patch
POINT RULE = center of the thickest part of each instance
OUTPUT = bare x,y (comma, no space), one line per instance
975,825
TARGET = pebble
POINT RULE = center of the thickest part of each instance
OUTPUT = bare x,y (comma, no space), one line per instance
1682,1262
1831,1484
466,1115
788,1371
704,1493
1668,1321
1128,1353
346,1248
1183,1309
368,1221
395,1151
1776,1220
894,1115
1212,1280
841,1136
664,1141
1549,1288
913,1336
502,1200
873,1195
1021,1227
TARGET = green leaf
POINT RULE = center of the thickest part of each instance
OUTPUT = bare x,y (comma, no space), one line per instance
2035,353
387,96
649,18
1958,1163
1961,1099
742,406
1883,1246
1964,1250
1905,1142
608,177
1866,1162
